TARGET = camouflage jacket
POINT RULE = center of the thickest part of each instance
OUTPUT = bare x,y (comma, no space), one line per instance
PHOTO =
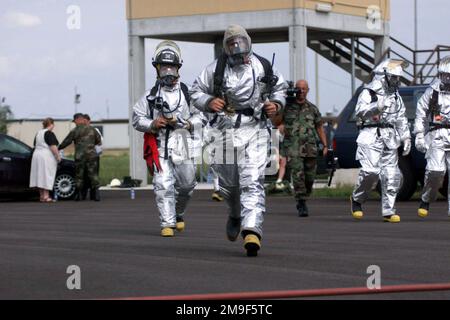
300,122
85,139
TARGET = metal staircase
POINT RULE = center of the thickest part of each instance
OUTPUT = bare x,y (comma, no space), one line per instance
422,68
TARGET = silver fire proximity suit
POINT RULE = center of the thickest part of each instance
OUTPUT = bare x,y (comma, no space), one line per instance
380,114
432,129
242,138
173,185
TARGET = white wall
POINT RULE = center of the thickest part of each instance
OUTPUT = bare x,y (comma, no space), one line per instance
25,131
115,135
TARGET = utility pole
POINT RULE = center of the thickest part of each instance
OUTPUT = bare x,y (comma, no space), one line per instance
76,100
317,80
107,109
415,25
353,65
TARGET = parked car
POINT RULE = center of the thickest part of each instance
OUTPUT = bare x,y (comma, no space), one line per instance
15,165
411,166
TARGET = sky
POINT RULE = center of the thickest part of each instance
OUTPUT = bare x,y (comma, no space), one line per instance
45,55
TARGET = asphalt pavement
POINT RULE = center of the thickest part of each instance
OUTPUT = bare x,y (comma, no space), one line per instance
117,246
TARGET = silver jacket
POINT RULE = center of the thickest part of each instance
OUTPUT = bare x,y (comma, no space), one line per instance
423,119
243,90
437,142
394,113
142,121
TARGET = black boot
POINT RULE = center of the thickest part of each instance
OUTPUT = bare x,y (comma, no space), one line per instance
78,195
423,209
233,228
302,208
92,194
357,211
96,194
84,194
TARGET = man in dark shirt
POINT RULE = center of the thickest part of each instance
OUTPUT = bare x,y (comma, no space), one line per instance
98,149
85,139
303,129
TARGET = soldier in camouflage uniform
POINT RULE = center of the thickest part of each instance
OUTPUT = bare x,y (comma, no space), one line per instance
85,139
303,130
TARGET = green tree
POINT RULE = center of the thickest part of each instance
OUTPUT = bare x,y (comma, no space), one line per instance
5,115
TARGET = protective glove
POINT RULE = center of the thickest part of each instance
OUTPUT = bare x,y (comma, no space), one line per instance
182,124
406,147
386,103
420,143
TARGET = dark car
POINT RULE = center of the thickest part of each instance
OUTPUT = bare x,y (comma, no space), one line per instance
411,166
15,165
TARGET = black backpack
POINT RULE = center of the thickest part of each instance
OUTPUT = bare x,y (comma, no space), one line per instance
220,71
433,104
373,96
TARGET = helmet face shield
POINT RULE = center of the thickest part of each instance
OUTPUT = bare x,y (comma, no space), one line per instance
237,49
165,70
168,74
237,45
393,81
445,78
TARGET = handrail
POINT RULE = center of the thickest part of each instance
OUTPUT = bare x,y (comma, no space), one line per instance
426,64
357,51
347,55
365,45
400,43
418,72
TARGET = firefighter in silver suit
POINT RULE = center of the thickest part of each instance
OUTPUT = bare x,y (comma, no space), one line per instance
432,129
383,125
239,93
164,114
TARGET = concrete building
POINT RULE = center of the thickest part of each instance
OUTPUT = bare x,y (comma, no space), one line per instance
332,28
115,132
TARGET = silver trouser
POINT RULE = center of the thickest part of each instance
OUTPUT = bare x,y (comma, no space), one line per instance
378,162
242,185
173,189
438,160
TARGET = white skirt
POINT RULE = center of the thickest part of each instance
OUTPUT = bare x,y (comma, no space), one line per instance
43,169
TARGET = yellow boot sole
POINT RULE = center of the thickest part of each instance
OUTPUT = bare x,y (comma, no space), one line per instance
393,219
423,213
356,214
180,226
217,197
252,245
167,232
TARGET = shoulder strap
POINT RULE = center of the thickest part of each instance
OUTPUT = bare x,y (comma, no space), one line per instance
433,104
373,95
185,90
151,103
268,71
219,73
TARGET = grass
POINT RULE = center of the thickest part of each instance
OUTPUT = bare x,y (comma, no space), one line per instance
114,166
341,192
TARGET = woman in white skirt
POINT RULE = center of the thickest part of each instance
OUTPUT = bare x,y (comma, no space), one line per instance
45,160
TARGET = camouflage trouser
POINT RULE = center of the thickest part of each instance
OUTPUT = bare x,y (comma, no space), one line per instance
303,171
88,167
